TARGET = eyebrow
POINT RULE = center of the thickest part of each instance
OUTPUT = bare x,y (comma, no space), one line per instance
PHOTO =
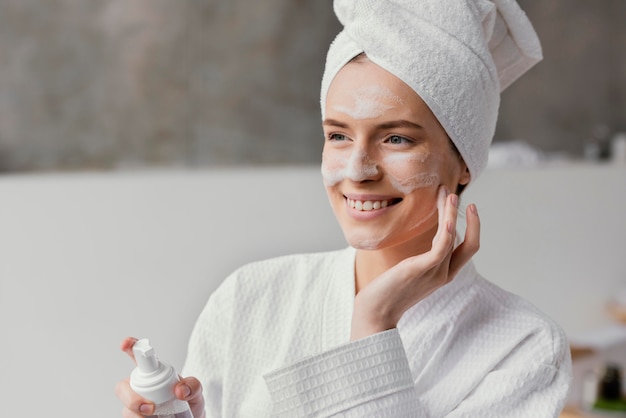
334,122
399,124
386,125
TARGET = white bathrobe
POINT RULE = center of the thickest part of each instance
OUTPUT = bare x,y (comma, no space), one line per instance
273,340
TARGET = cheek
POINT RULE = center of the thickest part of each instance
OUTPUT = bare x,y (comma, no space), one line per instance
414,171
333,169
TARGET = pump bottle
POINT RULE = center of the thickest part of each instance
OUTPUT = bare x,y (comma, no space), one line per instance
155,381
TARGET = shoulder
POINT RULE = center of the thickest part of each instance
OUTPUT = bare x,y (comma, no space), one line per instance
271,300
518,311
295,266
475,319
297,262
518,319
285,275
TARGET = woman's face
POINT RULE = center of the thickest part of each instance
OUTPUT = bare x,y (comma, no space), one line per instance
385,156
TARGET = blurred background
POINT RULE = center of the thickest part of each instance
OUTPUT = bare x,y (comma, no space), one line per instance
150,147
108,85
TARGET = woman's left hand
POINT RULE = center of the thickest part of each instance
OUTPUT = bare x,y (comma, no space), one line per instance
380,305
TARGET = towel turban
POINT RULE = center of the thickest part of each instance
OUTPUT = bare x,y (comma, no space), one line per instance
457,55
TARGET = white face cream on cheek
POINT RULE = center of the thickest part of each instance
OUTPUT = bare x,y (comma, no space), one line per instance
369,102
417,181
333,169
401,169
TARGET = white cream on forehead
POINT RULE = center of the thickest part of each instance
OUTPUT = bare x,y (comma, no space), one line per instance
369,102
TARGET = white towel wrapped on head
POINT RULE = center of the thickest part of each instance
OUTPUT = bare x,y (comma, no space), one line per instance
457,55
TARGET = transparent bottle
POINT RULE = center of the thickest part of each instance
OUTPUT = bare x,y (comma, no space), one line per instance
155,381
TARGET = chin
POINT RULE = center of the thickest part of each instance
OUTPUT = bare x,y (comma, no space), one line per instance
365,243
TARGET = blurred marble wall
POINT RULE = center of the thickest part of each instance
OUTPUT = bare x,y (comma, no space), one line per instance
110,84
580,86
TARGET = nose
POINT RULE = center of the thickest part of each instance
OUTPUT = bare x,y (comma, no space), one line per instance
361,166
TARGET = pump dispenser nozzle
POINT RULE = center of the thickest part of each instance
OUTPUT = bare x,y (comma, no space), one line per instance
152,378
155,381
145,356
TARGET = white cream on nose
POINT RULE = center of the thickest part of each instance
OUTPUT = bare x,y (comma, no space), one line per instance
358,166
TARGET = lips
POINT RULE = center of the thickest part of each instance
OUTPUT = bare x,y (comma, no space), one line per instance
370,205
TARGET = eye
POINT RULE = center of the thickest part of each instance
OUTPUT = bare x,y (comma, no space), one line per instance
337,137
398,140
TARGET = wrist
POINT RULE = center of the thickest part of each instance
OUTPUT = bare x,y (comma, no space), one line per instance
369,322
359,332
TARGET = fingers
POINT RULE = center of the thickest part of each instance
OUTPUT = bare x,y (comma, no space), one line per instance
127,346
134,405
127,413
443,241
190,389
442,194
471,243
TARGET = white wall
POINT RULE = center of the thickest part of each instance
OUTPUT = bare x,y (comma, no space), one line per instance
88,259
555,235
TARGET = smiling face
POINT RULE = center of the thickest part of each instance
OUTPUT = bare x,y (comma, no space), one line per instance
385,156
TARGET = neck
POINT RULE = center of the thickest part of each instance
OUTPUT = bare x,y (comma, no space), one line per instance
370,264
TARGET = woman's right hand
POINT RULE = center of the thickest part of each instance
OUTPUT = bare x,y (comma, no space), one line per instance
188,389
380,305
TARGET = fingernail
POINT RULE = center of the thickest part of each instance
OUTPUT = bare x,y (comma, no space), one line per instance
185,390
454,200
474,209
146,408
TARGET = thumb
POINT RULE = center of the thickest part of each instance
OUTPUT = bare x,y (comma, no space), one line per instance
190,389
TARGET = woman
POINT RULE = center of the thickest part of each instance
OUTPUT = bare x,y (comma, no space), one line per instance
399,323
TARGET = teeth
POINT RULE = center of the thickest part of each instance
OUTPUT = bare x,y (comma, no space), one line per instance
368,205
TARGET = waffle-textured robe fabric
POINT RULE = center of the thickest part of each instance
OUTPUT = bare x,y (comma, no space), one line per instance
273,340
